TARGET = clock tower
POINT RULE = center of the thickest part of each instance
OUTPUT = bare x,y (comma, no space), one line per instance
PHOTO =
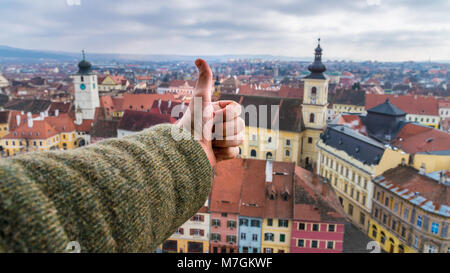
314,108
86,90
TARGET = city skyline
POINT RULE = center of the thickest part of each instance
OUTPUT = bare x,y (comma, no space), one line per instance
350,30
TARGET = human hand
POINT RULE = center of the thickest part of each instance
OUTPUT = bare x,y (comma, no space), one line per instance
217,126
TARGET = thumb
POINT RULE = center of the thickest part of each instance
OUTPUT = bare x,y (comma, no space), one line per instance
204,82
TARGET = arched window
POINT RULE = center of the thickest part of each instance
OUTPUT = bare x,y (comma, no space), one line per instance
269,155
313,95
374,231
311,118
288,153
240,151
383,238
253,153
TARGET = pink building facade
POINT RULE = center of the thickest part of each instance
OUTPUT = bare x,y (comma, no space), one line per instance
317,237
224,232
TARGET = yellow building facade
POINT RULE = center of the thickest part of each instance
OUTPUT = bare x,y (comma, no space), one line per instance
352,179
276,235
348,108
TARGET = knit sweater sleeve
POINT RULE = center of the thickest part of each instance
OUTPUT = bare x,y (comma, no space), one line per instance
117,195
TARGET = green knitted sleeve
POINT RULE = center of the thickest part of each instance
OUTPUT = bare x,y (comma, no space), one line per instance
117,195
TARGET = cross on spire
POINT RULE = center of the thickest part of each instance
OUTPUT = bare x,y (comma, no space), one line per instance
84,54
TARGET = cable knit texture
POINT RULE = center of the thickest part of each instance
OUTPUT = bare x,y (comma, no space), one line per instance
117,195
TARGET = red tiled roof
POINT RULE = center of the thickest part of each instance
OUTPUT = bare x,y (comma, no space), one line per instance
406,177
415,138
411,104
253,188
63,123
41,129
143,102
354,122
310,203
278,208
138,120
62,107
178,83
225,193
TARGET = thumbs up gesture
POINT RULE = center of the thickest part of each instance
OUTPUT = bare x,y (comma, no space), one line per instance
217,126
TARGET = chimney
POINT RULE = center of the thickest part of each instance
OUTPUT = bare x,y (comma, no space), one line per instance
269,170
159,104
30,123
42,115
56,112
18,120
324,187
169,103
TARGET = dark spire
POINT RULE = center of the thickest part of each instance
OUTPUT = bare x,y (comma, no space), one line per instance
317,67
84,67
217,81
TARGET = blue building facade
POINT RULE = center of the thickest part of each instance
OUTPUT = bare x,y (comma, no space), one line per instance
249,234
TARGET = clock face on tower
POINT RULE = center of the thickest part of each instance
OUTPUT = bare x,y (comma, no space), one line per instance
82,86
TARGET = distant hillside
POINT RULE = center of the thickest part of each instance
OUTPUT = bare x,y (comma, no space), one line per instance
26,55
17,54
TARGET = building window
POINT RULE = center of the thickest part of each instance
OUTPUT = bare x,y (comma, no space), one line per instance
350,210
224,214
434,228
374,231
331,228
215,236
282,238
283,223
386,201
330,245
231,224
416,241
255,237
301,243
311,118
362,219
270,222
255,223
383,238
243,236
231,239
314,244
315,227
301,226
288,142
310,139
406,214
216,223
288,153
403,232
253,153
419,221
268,237
243,222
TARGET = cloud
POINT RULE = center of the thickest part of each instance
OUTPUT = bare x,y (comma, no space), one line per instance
357,29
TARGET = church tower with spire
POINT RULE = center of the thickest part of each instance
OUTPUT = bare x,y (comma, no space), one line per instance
314,108
86,90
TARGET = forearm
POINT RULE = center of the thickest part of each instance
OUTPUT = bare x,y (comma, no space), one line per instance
122,195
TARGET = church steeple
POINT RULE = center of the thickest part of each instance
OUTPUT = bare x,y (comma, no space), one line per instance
317,67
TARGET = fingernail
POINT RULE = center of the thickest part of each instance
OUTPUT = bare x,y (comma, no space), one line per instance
198,63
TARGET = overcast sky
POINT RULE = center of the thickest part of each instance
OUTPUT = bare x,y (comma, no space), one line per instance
385,30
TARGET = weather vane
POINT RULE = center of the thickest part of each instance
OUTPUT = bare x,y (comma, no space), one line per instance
84,54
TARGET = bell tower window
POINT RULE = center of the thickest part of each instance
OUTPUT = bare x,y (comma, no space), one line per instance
313,95
311,118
